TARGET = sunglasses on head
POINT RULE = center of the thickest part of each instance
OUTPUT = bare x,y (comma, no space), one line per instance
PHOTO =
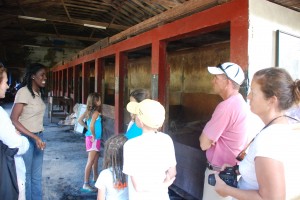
223,70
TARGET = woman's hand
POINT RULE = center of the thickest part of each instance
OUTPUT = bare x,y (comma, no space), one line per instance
92,138
236,167
168,181
220,186
40,144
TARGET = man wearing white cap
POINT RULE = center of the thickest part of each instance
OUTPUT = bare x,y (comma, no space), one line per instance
224,136
149,160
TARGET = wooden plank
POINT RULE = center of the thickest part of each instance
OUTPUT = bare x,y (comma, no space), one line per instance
62,36
149,10
66,10
165,3
65,20
191,165
187,8
85,7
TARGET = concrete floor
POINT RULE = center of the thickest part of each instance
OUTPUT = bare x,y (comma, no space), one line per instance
64,162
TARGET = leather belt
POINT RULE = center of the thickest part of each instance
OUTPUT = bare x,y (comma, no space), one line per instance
212,167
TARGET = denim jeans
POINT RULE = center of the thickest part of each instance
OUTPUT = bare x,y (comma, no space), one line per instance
33,160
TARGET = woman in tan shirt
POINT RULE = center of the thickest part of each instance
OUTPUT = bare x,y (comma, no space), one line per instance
27,116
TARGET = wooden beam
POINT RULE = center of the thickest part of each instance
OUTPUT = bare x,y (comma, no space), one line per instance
118,10
64,20
84,7
8,20
56,31
187,8
66,10
17,32
18,44
166,3
147,9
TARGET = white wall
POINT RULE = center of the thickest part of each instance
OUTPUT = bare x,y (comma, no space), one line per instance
264,19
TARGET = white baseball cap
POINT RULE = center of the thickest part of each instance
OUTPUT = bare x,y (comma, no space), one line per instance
150,112
231,70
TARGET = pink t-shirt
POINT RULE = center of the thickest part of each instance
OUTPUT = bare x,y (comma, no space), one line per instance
227,128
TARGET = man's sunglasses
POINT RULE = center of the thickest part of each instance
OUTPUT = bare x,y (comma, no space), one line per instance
223,70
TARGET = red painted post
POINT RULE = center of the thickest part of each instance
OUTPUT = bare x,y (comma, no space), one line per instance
85,81
69,79
98,75
75,83
60,83
239,36
158,69
121,62
55,84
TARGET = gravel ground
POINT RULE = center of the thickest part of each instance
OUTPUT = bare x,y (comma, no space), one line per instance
64,162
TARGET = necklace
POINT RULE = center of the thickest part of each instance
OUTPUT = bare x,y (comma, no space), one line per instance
242,154
272,121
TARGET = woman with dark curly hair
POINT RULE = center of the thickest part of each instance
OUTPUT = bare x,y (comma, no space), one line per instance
27,116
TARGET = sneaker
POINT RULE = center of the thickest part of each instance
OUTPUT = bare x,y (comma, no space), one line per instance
93,183
87,188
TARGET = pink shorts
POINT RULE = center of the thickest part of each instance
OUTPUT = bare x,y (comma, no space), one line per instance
92,146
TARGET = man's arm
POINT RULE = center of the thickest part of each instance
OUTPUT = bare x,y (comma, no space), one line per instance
205,142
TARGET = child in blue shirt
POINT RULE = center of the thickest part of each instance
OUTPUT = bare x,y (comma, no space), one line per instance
137,95
93,125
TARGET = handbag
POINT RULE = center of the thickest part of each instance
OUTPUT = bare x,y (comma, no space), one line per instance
9,189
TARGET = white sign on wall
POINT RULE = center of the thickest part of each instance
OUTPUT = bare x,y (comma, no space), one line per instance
288,53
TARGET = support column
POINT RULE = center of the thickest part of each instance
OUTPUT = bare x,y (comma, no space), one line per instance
239,42
69,76
158,70
98,76
159,76
55,84
75,83
121,62
60,82
239,37
63,88
85,81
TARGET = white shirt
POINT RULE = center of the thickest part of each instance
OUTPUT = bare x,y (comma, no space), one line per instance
279,142
106,179
12,139
147,158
